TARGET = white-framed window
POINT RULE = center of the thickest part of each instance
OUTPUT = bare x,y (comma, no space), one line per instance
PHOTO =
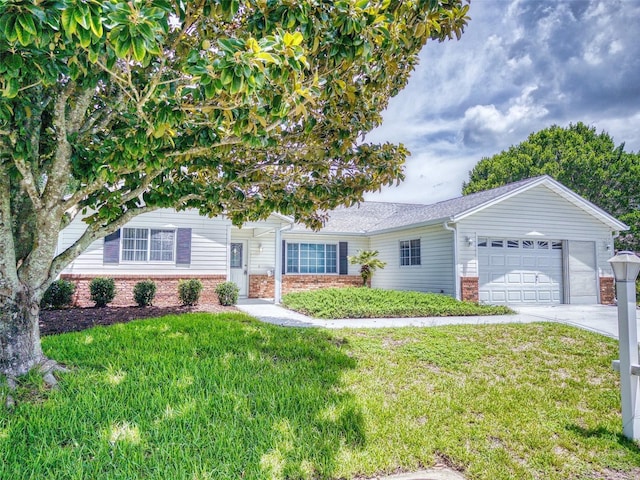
148,245
312,258
410,252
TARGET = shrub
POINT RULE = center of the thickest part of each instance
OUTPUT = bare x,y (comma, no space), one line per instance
189,291
227,293
144,292
103,291
58,295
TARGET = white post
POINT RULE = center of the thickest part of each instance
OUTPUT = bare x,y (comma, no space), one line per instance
628,333
277,280
625,266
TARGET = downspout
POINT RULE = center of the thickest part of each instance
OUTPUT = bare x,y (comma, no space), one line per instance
456,279
277,287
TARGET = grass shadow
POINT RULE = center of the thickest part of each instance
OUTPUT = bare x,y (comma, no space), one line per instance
603,433
188,397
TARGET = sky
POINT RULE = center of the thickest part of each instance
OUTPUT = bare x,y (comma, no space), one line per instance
520,66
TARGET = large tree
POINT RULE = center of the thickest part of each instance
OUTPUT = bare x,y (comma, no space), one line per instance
586,161
237,108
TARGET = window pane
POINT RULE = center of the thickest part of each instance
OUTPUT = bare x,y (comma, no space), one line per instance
410,252
236,255
482,241
162,242
134,244
331,258
527,244
543,244
497,243
292,258
556,245
513,244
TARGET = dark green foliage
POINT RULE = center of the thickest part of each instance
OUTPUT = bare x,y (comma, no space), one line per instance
374,302
189,291
144,292
227,293
577,156
58,295
103,291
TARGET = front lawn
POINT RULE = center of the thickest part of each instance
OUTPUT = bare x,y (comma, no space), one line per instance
377,303
204,396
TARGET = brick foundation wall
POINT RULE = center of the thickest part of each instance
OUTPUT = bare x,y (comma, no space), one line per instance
469,287
261,286
302,283
166,293
607,291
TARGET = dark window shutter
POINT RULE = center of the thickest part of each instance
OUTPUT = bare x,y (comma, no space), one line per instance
183,246
343,261
284,257
111,248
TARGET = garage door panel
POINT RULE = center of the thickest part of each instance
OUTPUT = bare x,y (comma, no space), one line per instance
519,275
497,260
496,277
514,296
498,296
514,261
544,296
514,278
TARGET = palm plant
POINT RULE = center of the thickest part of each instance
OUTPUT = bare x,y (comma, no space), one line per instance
369,263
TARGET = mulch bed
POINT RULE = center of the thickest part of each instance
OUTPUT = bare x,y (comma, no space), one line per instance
53,322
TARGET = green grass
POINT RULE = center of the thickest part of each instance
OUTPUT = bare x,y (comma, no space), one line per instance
355,302
204,396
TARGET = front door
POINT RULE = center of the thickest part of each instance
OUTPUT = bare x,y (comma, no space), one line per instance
238,263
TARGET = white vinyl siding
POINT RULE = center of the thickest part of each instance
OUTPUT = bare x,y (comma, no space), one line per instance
208,246
435,272
536,214
261,244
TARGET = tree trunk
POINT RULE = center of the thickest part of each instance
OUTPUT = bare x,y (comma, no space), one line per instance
20,348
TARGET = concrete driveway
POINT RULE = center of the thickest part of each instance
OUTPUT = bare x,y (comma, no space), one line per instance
601,319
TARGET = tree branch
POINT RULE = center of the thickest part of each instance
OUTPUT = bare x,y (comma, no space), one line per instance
93,232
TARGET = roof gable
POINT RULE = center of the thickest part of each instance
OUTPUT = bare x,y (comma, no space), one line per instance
376,217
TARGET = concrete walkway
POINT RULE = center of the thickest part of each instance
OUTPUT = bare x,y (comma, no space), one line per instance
602,319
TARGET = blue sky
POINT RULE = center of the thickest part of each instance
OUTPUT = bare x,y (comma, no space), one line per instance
520,66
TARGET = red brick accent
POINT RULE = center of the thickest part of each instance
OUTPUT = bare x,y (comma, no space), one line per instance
166,294
469,289
261,286
607,291
302,283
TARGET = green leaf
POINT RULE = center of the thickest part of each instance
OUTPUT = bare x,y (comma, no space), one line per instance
26,21
139,50
96,25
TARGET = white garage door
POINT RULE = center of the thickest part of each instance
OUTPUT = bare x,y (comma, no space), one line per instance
516,271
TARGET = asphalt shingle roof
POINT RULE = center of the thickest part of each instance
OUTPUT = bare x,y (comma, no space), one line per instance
369,217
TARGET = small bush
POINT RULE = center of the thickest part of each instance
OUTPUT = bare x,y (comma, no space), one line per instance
144,292
58,295
227,293
103,291
189,291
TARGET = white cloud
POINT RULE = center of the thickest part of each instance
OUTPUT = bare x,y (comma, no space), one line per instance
520,67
